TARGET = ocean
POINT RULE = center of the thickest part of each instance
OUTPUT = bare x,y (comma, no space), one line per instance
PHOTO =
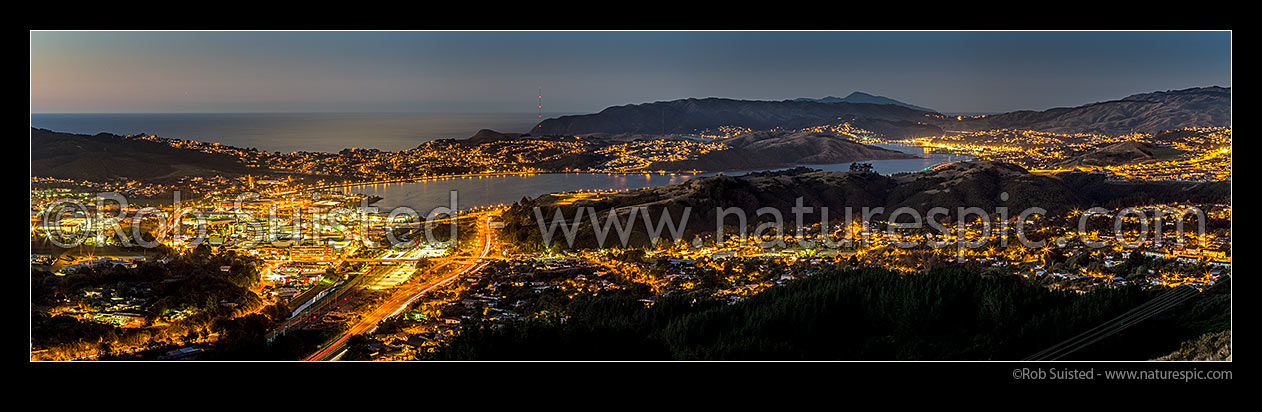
288,132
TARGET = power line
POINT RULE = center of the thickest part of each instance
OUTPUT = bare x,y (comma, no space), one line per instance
1048,353
1186,294
1137,314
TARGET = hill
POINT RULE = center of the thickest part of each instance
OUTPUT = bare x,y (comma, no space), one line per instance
488,135
967,184
106,156
863,314
1207,347
807,147
694,115
775,149
1146,113
1123,153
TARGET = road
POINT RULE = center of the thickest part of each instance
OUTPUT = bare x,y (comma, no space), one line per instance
376,278
352,287
403,297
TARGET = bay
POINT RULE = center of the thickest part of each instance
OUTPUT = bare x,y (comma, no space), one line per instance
424,196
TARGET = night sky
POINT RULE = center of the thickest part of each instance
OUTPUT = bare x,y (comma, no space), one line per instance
580,72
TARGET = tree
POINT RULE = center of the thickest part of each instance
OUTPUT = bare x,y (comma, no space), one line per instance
201,252
277,312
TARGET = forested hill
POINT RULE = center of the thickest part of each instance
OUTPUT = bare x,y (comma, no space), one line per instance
865,314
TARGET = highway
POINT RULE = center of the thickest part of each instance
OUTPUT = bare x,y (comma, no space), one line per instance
353,288
379,277
403,297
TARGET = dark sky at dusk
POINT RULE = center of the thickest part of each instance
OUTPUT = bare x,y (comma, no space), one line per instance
580,72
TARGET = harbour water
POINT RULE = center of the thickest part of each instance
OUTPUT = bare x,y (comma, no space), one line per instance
926,161
424,196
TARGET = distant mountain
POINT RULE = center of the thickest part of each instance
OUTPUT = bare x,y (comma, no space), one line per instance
1147,113
861,97
694,115
106,156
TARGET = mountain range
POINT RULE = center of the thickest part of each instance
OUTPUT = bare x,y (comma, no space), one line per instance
1143,113
1146,112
